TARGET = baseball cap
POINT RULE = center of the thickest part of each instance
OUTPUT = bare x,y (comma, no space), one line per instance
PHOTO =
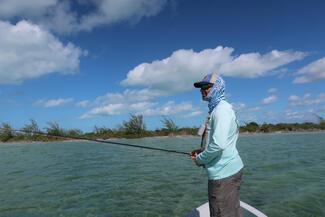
208,79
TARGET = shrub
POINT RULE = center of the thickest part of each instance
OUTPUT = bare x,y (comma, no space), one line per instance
169,125
6,132
134,126
54,129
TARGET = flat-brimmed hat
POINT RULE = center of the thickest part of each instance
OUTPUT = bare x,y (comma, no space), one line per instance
208,79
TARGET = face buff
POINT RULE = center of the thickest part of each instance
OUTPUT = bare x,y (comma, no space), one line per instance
216,94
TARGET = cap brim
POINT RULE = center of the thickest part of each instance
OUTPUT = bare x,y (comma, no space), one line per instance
200,84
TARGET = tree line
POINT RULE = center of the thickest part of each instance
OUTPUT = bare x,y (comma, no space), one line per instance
253,127
135,127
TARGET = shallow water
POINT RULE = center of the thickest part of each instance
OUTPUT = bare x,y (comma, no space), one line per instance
284,176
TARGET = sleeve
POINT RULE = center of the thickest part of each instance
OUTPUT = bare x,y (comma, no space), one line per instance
220,126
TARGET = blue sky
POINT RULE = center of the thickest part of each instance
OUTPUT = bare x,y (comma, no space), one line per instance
95,62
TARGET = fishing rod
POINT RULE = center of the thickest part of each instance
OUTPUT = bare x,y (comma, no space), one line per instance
96,140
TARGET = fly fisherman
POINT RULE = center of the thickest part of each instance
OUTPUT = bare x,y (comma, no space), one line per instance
220,156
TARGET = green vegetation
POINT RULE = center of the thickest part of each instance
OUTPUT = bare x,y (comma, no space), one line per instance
6,133
253,127
169,126
54,129
135,127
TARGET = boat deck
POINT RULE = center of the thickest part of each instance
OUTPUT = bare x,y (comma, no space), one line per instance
203,211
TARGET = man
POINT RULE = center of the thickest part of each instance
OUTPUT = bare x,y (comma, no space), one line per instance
220,156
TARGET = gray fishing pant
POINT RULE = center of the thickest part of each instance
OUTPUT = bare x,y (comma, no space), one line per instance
224,196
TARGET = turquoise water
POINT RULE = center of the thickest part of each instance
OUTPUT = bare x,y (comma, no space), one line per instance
284,176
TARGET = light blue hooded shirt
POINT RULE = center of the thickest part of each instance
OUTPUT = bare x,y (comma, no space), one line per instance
220,157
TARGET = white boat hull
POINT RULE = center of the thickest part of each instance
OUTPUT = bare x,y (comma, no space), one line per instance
203,211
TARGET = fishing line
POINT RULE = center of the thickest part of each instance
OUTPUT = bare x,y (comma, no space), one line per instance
100,141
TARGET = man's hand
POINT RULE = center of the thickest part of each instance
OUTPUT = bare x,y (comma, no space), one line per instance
194,153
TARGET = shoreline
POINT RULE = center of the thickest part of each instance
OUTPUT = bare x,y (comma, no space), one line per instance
175,136
283,132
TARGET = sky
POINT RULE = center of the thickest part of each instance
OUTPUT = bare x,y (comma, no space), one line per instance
85,63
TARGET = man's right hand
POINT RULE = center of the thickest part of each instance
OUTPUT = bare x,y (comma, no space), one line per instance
195,152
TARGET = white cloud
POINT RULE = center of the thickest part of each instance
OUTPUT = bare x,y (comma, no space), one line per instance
306,100
319,110
192,114
312,72
271,115
27,51
304,108
111,109
128,96
60,16
293,115
272,90
255,64
269,100
254,109
298,116
146,108
246,113
137,102
60,19
239,106
169,108
178,72
25,8
113,11
53,102
83,103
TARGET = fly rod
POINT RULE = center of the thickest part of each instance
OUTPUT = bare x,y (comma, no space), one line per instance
100,141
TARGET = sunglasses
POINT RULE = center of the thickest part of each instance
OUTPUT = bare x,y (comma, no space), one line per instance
206,86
